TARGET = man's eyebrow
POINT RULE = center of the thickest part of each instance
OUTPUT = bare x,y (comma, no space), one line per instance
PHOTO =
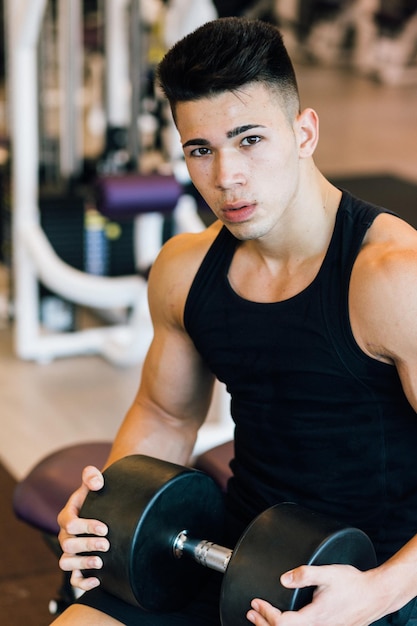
230,134
242,129
196,142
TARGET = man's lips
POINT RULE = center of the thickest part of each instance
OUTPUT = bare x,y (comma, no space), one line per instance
238,211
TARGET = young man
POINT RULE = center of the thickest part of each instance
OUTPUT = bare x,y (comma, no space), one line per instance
303,300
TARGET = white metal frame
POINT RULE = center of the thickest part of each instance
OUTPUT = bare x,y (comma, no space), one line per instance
34,259
33,256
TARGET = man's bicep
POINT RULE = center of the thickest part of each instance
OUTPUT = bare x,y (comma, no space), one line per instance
175,378
171,403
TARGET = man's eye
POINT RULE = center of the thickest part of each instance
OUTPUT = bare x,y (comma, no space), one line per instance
200,152
251,141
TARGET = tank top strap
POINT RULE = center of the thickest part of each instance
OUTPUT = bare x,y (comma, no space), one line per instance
213,268
353,220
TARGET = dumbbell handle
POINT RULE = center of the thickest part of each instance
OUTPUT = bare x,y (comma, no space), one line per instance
205,552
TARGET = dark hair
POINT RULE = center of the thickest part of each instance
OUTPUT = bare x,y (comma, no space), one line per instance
225,54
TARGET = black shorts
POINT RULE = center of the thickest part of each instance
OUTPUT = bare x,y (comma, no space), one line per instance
202,610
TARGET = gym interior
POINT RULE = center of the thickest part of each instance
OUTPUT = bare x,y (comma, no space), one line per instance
92,183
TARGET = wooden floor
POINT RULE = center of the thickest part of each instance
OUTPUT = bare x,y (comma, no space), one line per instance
366,128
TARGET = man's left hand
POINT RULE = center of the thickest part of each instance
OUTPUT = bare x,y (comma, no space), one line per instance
343,596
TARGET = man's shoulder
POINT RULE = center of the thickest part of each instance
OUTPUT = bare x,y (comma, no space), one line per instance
390,240
388,254
383,299
187,250
174,269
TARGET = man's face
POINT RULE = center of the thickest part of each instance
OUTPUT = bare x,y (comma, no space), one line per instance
242,153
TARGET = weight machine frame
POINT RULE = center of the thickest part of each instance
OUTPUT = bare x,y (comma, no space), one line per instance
34,259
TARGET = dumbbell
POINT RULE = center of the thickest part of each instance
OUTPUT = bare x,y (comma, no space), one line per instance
157,513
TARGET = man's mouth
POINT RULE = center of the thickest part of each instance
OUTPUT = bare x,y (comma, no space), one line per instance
238,211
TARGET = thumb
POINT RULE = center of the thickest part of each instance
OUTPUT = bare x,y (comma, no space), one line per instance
305,576
92,478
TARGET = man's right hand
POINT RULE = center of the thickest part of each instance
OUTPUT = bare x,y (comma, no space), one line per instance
72,526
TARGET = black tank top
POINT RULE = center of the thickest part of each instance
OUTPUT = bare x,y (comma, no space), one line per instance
318,422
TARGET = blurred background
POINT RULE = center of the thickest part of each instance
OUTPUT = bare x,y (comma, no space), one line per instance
92,183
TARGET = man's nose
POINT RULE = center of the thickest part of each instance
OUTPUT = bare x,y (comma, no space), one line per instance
228,170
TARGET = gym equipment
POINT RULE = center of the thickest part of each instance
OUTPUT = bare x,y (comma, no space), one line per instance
156,513
120,196
34,259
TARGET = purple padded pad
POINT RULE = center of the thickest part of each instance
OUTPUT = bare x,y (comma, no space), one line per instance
40,496
127,195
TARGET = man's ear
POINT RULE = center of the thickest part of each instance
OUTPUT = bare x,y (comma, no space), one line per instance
307,130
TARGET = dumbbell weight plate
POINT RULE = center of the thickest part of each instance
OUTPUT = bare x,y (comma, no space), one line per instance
279,539
145,502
